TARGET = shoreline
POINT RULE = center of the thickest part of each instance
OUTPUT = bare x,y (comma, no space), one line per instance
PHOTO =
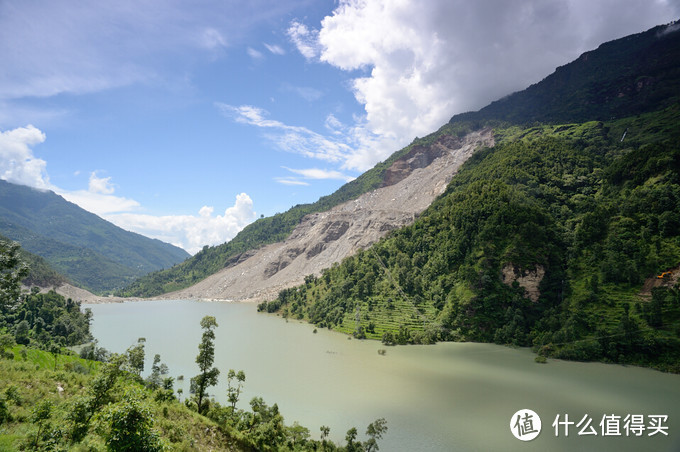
87,297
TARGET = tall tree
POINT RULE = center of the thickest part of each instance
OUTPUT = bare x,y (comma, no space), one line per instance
205,360
12,271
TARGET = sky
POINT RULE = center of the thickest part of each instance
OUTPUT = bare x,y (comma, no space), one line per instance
185,120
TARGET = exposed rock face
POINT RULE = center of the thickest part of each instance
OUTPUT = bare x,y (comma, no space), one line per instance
529,280
321,239
420,157
666,279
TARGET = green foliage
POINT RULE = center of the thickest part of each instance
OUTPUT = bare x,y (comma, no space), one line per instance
44,320
12,271
129,426
135,357
205,358
235,382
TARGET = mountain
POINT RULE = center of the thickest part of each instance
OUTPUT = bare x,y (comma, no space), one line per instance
564,235
90,251
275,229
628,76
323,239
40,273
621,78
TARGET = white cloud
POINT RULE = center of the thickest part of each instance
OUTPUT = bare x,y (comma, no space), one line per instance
188,231
294,139
17,162
275,49
255,54
317,173
290,181
306,92
211,38
99,203
306,40
423,64
100,185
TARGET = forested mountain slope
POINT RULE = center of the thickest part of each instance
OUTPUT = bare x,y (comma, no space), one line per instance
560,237
92,252
621,78
565,237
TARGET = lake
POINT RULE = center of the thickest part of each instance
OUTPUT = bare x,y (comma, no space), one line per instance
444,397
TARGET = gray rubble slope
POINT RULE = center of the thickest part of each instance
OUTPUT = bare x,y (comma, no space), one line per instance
321,239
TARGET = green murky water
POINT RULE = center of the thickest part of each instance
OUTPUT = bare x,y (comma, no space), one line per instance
445,397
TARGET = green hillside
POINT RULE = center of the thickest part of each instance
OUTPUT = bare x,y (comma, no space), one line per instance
586,209
597,216
90,251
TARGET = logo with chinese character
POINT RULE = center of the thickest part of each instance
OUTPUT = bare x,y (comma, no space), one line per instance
525,425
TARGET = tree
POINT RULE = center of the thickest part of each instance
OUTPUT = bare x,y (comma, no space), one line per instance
55,350
12,271
21,333
41,413
135,357
233,392
204,359
6,341
350,437
375,430
158,370
325,430
130,425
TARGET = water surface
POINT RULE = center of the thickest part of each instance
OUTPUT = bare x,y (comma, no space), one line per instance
444,397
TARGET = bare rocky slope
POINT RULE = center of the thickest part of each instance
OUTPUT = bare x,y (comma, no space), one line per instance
321,239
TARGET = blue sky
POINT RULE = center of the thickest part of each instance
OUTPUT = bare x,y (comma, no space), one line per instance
186,120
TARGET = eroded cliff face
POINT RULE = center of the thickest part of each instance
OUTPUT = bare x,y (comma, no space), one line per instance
321,239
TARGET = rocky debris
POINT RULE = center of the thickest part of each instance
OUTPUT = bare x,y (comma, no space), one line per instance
419,157
668,278
324,238
84,296
529,280
237,259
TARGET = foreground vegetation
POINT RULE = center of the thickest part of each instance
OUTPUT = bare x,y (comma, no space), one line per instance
595,216
83,405
52,399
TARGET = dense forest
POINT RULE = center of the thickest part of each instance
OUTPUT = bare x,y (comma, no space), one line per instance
590,213
54,399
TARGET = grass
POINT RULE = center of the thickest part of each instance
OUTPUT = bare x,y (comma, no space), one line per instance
33,379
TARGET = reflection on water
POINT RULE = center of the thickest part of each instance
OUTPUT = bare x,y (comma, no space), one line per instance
450,396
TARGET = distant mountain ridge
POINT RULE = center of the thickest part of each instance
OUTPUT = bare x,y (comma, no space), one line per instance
621,78
90,251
